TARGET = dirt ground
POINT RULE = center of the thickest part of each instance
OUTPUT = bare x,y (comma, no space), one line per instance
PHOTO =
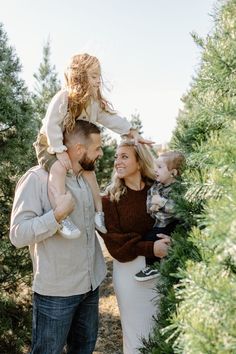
109,334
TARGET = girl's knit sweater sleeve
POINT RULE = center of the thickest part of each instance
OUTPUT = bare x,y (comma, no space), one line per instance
53,122
125,243
114,122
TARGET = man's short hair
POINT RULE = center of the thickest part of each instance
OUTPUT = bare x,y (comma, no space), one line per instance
81,133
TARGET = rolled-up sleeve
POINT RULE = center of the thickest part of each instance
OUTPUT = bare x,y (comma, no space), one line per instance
29,223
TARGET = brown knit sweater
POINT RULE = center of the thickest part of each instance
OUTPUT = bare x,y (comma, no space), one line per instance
127,221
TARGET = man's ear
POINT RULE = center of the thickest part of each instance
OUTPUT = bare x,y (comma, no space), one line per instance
80,148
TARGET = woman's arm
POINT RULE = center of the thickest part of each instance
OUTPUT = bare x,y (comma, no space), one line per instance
123,246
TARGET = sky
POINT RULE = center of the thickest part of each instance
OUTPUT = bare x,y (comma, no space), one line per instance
145,48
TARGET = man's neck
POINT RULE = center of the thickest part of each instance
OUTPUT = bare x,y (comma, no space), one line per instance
76,167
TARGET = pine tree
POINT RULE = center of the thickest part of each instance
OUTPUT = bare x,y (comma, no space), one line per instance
47,84
205,319
104,165
136,122
17,128
17,133
198,307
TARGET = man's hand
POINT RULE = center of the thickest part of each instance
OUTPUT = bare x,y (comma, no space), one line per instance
64,206
64,159
160,247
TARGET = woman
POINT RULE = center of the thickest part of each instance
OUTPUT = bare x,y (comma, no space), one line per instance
127,222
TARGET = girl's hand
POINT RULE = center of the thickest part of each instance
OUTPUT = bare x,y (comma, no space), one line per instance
64,159
160,247
133,134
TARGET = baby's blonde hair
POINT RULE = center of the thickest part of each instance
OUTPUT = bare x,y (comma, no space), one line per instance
79,93
174,160
145,159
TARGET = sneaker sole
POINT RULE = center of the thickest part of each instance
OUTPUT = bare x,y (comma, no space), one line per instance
103,231
146,278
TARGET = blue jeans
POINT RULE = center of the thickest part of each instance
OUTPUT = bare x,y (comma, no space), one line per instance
59,320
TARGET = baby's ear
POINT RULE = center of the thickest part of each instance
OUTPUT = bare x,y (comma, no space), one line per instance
174,172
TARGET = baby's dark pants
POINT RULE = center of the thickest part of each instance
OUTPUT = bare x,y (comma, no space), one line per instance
151,236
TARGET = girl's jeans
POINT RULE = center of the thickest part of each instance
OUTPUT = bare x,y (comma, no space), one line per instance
71,320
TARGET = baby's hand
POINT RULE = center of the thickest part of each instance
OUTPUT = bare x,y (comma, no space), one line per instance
155,207
64,159
157,199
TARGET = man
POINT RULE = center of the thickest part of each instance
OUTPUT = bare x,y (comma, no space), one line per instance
67,273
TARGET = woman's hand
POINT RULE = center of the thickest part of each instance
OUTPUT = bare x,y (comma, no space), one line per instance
64,159
133,134
160,247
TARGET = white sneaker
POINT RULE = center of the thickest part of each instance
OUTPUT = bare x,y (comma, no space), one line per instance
68,229
99,222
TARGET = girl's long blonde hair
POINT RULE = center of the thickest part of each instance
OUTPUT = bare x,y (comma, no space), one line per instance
145,159
79,93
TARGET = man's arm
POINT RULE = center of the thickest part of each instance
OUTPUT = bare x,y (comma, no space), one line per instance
29,222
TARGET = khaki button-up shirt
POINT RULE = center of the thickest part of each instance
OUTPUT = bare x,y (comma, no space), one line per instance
61,267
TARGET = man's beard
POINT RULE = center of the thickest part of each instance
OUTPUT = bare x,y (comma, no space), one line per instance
87,164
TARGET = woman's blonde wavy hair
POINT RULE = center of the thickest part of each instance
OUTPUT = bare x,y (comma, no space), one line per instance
79,93
145,159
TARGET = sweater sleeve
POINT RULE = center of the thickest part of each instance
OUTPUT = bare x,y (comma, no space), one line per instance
114,122
123,246
29,223
53,122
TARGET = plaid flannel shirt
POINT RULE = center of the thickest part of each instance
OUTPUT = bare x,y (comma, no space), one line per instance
166,213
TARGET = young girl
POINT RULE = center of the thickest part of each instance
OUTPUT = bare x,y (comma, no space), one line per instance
160,205
81,98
